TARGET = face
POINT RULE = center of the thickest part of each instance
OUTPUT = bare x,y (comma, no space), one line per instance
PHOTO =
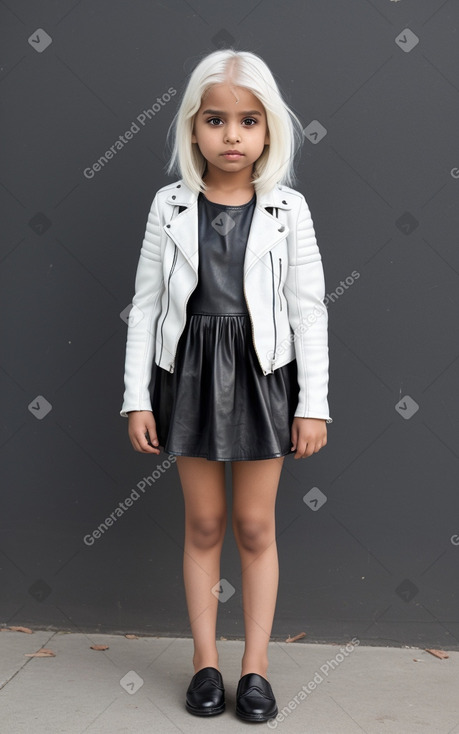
230,119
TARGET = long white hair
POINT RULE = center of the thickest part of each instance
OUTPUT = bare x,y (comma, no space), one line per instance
242,69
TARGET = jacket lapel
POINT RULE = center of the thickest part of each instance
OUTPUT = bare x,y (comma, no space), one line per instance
265,232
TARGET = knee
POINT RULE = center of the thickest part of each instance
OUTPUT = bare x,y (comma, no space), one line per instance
253,534
206,532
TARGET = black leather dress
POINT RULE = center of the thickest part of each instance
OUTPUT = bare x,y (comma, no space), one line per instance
217,403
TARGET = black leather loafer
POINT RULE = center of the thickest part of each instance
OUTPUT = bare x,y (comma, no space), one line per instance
255,698
206,695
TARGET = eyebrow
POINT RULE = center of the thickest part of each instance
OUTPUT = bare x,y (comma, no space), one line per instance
219,112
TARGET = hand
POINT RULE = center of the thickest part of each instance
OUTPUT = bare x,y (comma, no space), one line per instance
309,435
142,422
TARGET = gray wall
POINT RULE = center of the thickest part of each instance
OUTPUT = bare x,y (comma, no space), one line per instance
378,559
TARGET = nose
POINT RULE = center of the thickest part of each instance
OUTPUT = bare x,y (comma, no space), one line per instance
232,132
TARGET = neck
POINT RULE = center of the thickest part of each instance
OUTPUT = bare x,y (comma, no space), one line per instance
229,183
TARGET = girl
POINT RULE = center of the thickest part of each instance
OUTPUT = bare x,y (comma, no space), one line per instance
227,354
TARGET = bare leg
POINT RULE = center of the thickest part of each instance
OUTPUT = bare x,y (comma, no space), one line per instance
203,485
255,486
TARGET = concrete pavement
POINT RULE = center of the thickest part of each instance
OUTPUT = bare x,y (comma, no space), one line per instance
137,686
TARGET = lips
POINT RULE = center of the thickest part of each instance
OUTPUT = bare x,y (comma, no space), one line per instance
232,153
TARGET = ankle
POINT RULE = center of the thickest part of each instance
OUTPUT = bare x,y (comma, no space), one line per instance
255,665
205,661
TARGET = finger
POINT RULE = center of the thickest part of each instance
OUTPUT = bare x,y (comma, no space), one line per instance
142,444
300,449
150,434
150,441
150,437
307,450
320,445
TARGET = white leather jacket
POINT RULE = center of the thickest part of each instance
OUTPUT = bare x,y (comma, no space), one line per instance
283,286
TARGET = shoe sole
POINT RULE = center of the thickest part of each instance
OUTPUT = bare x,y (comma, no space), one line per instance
256,717
205,712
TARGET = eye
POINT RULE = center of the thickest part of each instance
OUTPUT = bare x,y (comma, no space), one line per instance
213,118
250,119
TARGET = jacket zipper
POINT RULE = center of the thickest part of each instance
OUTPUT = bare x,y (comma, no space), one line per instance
253,331
278,285
168,299
172,364
274,312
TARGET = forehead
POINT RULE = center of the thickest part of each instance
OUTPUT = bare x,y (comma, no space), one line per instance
225,97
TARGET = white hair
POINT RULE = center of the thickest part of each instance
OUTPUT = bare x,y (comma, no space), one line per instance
242,69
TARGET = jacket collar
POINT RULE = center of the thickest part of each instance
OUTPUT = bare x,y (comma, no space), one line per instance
181,195
265,232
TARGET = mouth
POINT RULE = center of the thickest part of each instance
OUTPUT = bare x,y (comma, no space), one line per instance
232,154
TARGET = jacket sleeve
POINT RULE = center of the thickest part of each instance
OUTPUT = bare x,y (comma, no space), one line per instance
308,316
143,318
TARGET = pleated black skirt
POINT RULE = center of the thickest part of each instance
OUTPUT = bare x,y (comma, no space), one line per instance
217,403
